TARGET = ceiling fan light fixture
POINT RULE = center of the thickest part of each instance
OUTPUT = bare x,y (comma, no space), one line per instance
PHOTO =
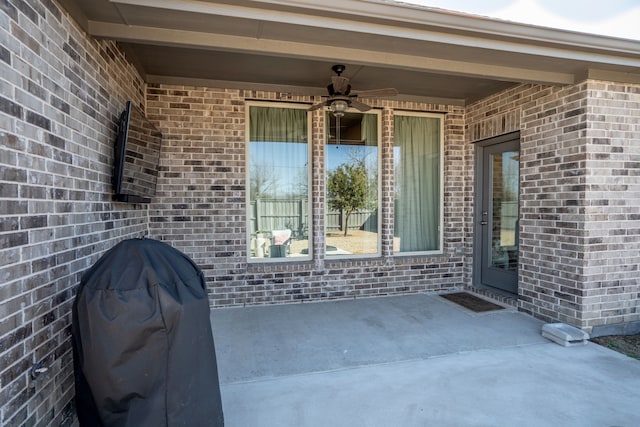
340,98
338,107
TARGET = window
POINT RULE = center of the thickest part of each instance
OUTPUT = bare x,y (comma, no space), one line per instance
352,184
418,199
278,160
279,183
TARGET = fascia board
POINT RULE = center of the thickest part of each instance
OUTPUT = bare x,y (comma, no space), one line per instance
401,13
461,21
169,37
529,40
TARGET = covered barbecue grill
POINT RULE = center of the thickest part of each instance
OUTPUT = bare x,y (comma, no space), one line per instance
143,347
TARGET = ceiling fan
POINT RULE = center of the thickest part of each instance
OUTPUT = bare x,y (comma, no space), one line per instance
341,98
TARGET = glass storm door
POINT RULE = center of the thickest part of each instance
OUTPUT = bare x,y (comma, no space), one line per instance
498,218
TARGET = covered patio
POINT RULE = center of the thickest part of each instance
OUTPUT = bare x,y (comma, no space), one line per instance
412,361
562,235
563,107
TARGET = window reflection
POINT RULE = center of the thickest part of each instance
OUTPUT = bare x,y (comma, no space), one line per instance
278,168
352,181
505,172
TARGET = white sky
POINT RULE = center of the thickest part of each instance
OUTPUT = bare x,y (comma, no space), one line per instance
617,18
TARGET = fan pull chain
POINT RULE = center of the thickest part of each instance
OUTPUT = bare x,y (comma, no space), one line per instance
337,131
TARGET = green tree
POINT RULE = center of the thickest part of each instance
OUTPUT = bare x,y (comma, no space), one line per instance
347,189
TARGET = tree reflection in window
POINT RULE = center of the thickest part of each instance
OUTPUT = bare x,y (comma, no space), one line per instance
352,182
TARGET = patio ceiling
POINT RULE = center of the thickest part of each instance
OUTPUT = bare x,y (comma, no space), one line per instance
428,54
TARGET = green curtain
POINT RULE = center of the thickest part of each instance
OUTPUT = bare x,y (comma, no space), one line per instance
369,129
278,152
417,174
271,124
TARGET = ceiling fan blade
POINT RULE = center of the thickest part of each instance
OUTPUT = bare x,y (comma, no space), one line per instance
374,93
317,106
360,105
340,84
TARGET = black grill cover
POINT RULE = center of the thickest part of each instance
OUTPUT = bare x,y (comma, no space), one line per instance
143,348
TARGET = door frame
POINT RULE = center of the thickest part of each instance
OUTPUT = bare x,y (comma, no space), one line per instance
480,147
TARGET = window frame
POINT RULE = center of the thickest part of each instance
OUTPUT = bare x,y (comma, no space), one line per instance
247,162
327,125
441,141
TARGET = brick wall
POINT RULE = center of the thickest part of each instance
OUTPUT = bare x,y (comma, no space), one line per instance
579,197
60,94
552,201
201,205
612,187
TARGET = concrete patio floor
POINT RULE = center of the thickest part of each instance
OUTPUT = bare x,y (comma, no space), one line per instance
415,360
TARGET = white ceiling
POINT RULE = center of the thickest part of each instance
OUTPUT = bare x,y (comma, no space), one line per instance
289,46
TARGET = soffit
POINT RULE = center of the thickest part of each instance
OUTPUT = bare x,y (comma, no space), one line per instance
424,53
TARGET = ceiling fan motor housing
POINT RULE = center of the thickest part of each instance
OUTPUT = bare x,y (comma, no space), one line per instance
333,92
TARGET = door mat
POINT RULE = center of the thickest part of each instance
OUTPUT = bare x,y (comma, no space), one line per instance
472,302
